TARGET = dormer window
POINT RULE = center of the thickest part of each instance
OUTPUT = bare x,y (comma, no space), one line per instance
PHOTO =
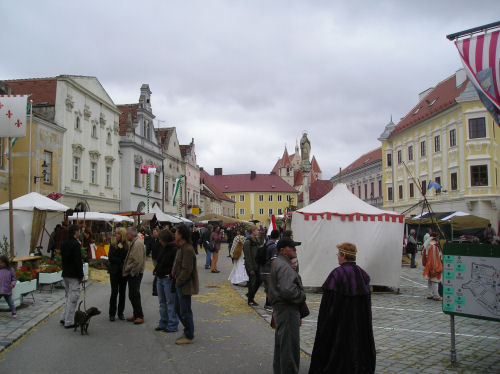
432,102
417,110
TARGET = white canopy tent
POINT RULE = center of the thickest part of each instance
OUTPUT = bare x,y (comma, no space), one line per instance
31,210
96,216
339,217
163,217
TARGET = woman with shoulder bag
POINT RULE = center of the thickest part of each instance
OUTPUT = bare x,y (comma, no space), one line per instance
116,257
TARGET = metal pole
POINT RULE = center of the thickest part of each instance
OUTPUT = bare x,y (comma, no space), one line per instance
453,352
29,151
11,213
474,30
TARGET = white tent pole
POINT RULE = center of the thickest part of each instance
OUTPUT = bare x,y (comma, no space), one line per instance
29,150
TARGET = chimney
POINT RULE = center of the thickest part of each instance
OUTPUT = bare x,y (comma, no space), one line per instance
252,175
217,171
460,77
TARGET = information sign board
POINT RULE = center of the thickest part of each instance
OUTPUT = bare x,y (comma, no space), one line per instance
471,280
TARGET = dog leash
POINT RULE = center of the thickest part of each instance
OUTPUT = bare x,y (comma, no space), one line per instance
84,293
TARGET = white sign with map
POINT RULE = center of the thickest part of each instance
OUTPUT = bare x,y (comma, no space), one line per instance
471,285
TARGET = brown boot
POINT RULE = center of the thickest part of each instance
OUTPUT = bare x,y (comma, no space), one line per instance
138,321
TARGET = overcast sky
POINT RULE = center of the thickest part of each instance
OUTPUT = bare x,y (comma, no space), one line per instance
244,78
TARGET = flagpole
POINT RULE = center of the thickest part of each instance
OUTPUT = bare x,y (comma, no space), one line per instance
29,158
11,215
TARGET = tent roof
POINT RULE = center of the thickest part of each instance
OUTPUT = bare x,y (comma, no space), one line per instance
218,217
35,200
97,216
164,217
341,200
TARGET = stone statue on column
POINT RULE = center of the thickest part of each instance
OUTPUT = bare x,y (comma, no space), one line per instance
305,151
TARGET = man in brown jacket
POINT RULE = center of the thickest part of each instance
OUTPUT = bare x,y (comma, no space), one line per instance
133,268
185,274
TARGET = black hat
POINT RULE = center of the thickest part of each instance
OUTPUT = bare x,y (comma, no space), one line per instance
286,242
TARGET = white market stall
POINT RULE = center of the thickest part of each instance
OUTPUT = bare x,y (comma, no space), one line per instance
97,216
33,215
339,217
164,217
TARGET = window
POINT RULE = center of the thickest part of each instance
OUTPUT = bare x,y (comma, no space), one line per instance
108,176
137,176
400,192
270,198
77,123
47,157
479,175
157,183
389,159
424,186
270,211
242,212
411,190
93,172
410,153
353,190
477,128
108,139
422,148
453,138
372,190
2,158
76,168
261,197
166,192
438,181
280,211
94,131
400,157
288,198
233,197
437,144
359,192
280,198
366,191
242,198
380,188
261,211
389,193
454,181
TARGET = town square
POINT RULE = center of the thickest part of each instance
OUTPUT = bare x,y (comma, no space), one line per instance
262,187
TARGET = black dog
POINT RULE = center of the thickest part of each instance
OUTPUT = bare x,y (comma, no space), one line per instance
82,319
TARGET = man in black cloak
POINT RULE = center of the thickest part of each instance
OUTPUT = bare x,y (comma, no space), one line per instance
344,337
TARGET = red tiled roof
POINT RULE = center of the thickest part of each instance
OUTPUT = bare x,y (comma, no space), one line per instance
367,158
184,150
315,165
298,178
284,161
205,179
438,99
243,183
43,90
127,109
317,190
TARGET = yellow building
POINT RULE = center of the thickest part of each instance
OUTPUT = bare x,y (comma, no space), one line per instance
256,196
46,155
448,138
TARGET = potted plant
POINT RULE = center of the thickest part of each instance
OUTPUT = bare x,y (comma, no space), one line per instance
26,283
50,272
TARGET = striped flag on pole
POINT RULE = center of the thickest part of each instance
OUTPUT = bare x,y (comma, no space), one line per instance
480,56
176,188
13,115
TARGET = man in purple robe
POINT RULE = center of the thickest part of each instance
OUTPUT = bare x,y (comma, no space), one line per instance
344,337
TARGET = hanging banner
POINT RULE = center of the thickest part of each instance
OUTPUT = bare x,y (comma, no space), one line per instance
480,56
176,188
13,115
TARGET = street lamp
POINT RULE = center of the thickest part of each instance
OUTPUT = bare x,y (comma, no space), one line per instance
44,172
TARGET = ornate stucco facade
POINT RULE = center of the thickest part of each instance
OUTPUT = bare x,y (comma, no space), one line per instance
449,138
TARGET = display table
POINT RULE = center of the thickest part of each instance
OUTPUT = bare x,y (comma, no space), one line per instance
23,259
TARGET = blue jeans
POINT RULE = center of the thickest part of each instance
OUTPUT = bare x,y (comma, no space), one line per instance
168,318
183,310
10,301
413,260
208,256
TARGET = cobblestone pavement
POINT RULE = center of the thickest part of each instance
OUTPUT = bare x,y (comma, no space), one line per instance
29,315
412,334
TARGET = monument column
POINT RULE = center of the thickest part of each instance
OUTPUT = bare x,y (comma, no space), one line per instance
305,148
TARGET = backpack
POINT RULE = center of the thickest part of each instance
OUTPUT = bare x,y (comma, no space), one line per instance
261,256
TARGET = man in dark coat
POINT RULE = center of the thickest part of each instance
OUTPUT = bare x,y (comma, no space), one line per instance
344,337
154,247
250,251
72,273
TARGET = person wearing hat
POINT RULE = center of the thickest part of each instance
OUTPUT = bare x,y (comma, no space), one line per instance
286,294
433,267
344,337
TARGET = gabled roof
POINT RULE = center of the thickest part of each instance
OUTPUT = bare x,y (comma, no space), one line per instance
213,190
283,162
244,183
315,165
367,158
127,117
163,134
438,99
43,90
184,150
317,190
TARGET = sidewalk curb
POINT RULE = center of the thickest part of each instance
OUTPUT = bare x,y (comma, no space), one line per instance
30,325
306,350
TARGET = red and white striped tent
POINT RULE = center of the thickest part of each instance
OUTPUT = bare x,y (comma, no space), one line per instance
339,217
